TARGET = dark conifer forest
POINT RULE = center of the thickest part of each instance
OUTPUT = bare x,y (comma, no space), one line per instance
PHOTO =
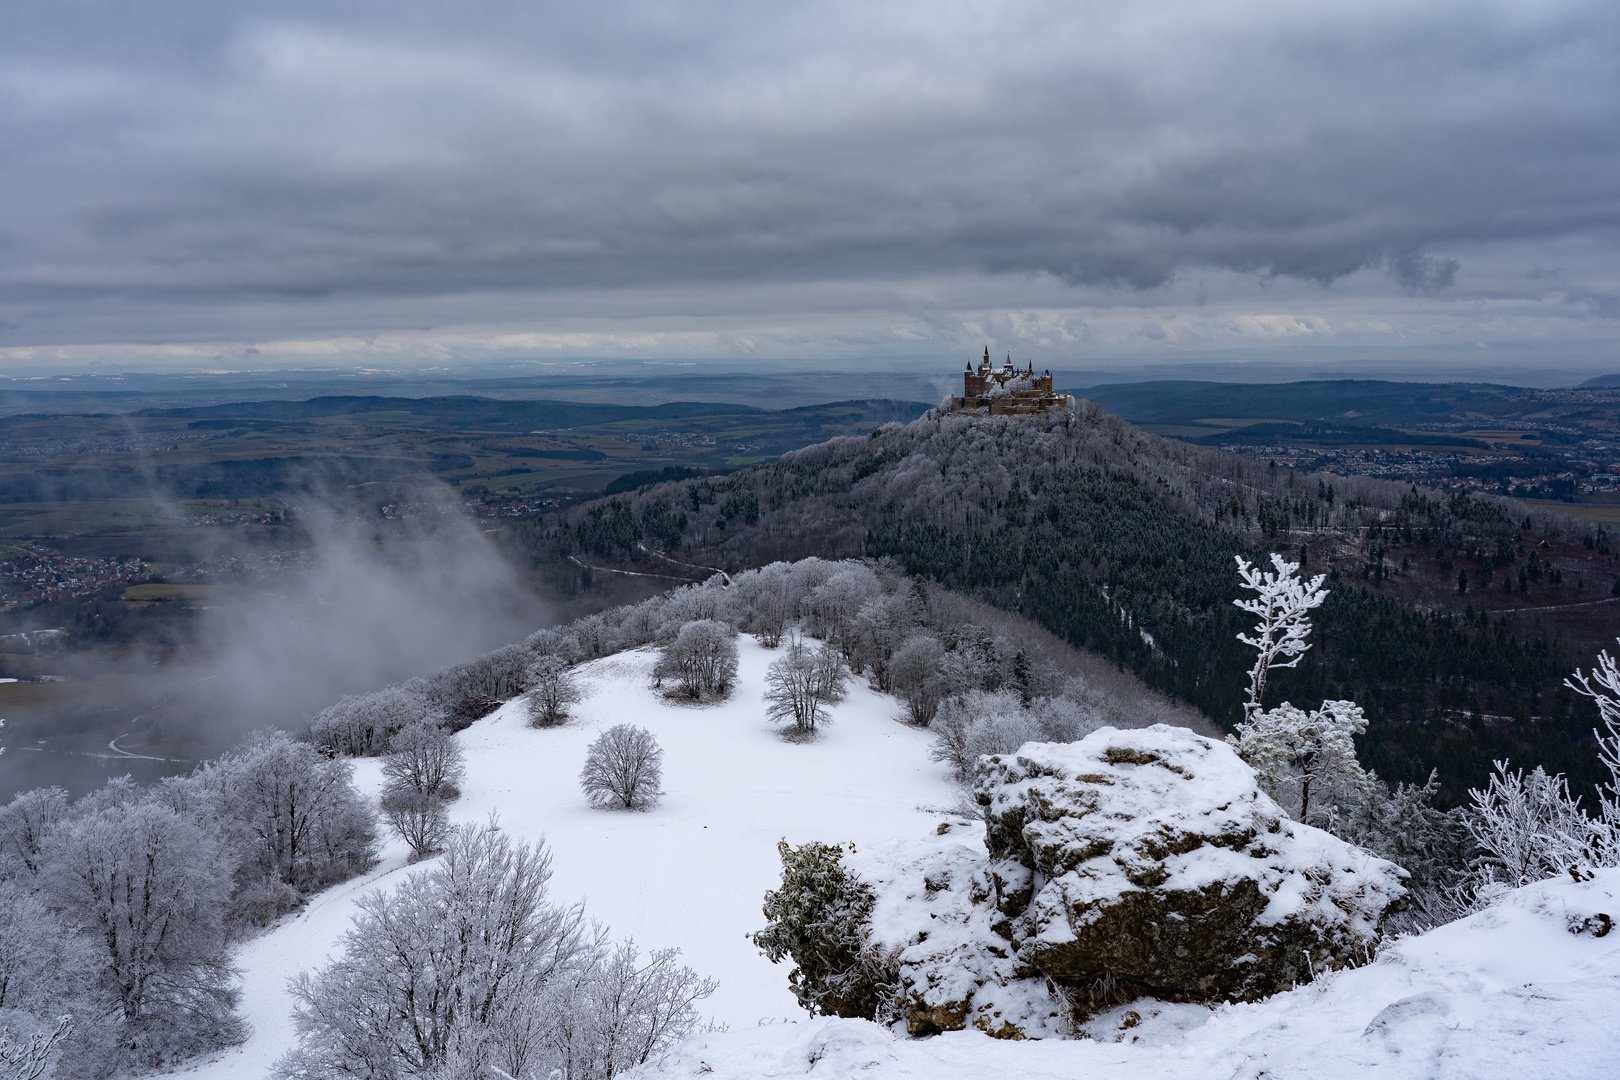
1123,543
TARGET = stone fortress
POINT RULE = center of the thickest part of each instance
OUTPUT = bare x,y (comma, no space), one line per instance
1007,391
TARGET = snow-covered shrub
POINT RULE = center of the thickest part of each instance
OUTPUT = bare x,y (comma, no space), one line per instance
1531,828
1294,750
915,676
425,759
702,660
621,1011
551,690
360,725
801,684
821,920
623,769
151,888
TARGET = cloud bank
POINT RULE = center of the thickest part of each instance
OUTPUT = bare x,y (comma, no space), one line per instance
823,178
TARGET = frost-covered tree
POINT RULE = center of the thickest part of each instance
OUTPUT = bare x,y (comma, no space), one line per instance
299,819
422,821
1283,603
1602,685
426,759
47,971
361,725
915,676
883,623
1295,752
26,821
702,659
436,974
150,888
802,683
623,769
552,688
833,605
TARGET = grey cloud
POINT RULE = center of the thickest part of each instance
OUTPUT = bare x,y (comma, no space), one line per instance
171,161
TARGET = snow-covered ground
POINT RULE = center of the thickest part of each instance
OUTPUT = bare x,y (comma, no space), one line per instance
1510,993
690,874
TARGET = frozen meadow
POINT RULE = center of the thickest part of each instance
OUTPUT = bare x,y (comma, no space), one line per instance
1522,989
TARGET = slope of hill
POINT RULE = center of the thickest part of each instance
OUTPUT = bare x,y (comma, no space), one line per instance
689,874
1123,542
1521,989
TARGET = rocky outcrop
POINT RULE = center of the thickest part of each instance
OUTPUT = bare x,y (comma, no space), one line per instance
1150,860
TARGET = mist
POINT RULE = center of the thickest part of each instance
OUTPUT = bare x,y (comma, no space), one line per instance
349,603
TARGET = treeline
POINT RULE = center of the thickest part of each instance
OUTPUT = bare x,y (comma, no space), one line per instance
208,480
1123,543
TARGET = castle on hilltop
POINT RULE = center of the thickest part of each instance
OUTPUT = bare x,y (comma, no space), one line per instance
1007,391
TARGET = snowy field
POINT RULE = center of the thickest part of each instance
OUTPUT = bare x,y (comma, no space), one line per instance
1509,993
690,874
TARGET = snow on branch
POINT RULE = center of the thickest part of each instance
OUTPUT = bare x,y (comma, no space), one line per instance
1283,603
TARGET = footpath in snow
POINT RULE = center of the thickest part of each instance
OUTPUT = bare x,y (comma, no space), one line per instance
691,874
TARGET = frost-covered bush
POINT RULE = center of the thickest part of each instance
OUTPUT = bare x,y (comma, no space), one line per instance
623,769
701,660
801,685
552,689
360,725
31,1054
820,919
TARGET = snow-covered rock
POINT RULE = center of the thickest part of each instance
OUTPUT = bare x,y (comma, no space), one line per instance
1150,861
1523,989
934,912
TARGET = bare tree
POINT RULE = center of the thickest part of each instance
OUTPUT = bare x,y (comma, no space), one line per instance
623,769
552,689
702,659
802,684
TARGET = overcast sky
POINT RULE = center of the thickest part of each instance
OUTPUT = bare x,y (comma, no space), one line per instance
208,182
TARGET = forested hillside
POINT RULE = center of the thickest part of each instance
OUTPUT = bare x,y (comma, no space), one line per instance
1123,542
